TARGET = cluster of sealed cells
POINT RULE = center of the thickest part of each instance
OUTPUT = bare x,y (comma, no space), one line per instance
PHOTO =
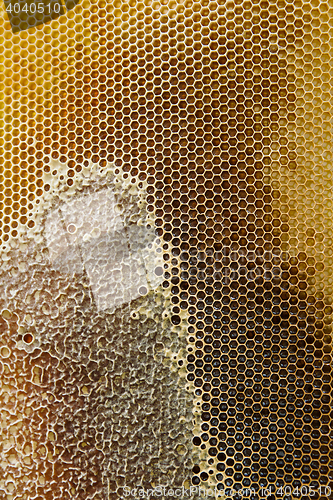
224,110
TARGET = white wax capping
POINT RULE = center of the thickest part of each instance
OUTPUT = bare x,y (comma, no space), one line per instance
87,235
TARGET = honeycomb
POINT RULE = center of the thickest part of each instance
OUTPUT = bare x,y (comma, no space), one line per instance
166,250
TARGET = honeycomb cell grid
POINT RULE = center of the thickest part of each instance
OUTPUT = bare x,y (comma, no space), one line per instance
166,250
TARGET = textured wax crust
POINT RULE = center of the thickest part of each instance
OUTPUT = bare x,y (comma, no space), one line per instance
91,400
